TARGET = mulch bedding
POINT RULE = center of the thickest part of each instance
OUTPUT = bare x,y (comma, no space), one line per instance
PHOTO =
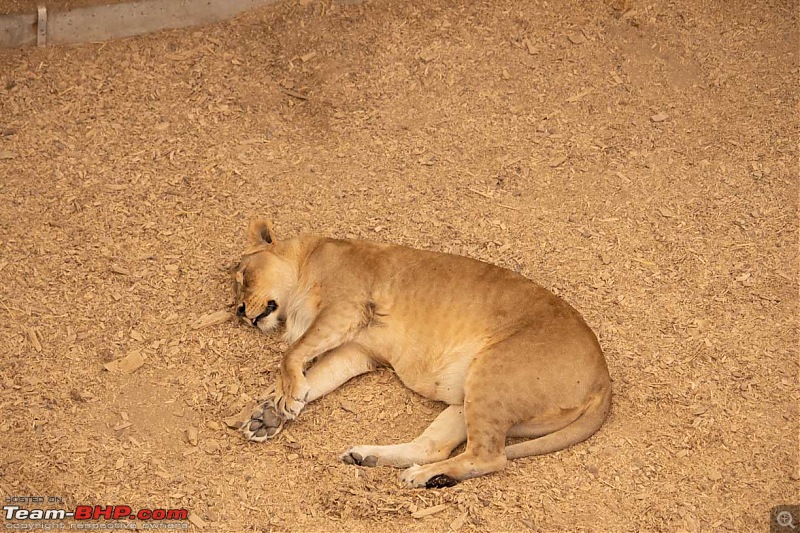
638,159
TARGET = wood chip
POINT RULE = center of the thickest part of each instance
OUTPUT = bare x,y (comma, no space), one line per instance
347,406
198,522
33,337
666,212
211,446
557,161
192,435
212,319
308,57
578,96
116,269
427,55
127,365
576,38
659,117
122,425
459,521
422,513
7,155
294,94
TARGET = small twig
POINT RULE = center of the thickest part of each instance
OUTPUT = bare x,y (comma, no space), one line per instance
509,207
480,193
295,94
606,483
10,309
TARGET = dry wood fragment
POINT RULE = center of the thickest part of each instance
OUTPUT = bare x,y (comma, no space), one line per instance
116,269
198,522
127,365
347,406
422,513
479,193
294,94
458,523
212,319
576,38
33,337
192,435
578,96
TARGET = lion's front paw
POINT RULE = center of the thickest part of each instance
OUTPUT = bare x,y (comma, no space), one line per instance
264,423
290,400
357,456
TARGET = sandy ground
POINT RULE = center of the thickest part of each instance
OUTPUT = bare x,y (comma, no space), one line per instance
639,159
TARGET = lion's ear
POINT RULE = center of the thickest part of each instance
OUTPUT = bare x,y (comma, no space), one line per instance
260,232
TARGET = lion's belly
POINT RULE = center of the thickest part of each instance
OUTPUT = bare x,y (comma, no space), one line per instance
435,370
443,384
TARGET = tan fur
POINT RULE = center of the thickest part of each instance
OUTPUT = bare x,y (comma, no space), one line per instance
510,357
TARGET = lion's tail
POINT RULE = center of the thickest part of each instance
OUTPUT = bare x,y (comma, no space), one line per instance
578,430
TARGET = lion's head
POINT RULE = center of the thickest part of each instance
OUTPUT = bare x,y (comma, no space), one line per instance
263,278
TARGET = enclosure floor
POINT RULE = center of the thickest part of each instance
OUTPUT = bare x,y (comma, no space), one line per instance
640,162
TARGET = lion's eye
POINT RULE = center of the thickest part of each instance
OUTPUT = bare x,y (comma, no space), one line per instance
272,305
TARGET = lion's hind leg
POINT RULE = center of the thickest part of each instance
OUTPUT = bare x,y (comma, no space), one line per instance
485,453
555,390
434,444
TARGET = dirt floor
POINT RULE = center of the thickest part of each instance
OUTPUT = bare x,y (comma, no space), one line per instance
639,159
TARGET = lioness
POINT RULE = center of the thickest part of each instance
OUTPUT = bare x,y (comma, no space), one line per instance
509,358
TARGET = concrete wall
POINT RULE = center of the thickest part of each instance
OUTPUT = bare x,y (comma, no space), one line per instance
112,21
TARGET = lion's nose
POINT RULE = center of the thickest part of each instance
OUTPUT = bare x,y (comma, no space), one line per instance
240,310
